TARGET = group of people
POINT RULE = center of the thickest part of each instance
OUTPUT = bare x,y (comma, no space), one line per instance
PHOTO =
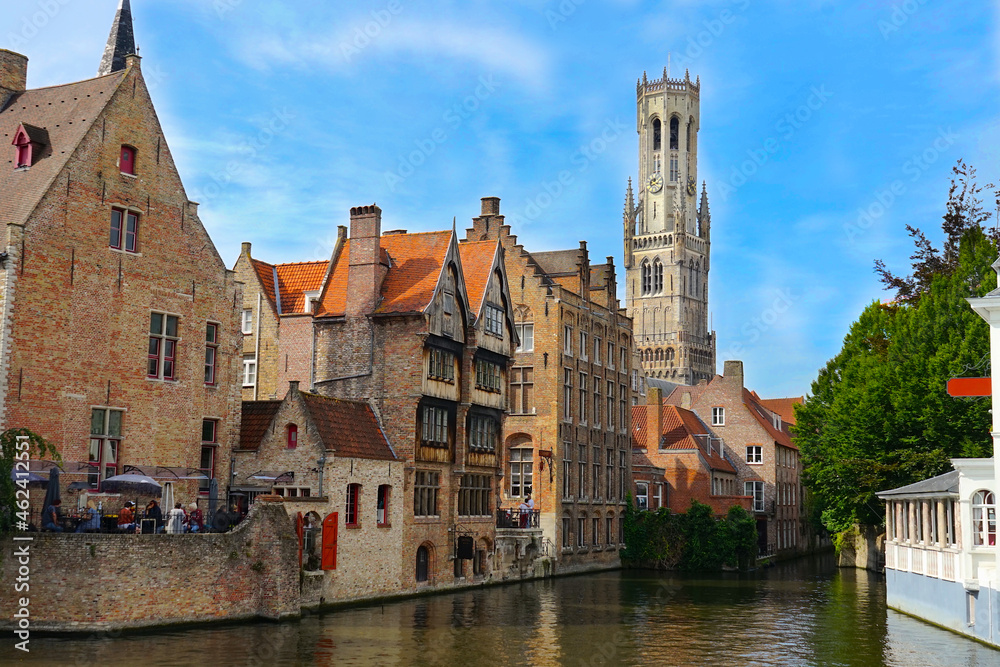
178,520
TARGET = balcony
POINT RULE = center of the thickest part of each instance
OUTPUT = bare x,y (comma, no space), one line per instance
518,519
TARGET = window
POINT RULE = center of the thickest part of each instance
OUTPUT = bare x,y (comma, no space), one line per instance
565,533
622,476
622,405
609,538
568,340
646,275
488,376
642,495
597,350
581,477
567,477
611,354
609,473
124,230
581,532
352,512
24,149
162,346
657,276
583,345
611,406
483,434
755,454
583,397
494,321
126,162
568,394
718,416
674,170
249,370
596,534
984,519
442,365
597,401
949,518
522,388
292,433
425,493
595,480
209,442
435,426
474,496
382,505
521,471
423,563
105,437
623,360
526,334
211,351
755,489
247,321
675,127
657,496
657,135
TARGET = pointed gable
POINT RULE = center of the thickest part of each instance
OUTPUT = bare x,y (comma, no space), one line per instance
416,262
349,428
478,260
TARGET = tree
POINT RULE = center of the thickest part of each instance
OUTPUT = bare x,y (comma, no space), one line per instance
16,447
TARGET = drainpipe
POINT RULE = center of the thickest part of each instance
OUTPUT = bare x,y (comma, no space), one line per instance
256,354
322,466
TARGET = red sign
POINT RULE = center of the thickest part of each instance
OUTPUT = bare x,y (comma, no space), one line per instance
970,387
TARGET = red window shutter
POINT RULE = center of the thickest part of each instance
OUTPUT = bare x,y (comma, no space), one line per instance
300,530
329,560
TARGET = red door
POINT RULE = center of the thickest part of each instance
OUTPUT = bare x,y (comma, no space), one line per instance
329,560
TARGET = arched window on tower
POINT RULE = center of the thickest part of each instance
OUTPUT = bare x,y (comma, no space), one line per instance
657,276
646,275
657,135
687,145
675,129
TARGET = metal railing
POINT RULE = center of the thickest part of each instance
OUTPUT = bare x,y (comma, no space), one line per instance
516,518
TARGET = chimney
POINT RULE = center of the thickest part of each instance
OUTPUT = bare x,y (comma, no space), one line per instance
13,75
734,370
363,272
245,248
654,418
491,206
293,387
686,400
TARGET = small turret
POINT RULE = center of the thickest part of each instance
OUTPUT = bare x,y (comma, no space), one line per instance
121,41
704,214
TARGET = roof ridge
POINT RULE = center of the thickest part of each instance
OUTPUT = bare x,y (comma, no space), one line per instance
334,398
307,261
120,72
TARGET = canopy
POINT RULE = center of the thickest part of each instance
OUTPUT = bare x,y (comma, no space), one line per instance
140,484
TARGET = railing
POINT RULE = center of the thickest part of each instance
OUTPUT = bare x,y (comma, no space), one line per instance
516,518
939,563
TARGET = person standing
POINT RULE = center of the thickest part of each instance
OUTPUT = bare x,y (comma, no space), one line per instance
175,520
153,511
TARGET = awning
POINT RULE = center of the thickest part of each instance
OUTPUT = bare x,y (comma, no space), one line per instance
273,476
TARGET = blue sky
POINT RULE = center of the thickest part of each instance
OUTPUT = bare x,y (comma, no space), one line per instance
282,115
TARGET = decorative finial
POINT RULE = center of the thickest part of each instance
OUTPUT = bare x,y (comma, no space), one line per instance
644,79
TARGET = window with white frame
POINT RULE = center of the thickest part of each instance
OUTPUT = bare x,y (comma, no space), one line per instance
247,321
756,490
567,394
568,340
526,336
583,345
718,416
249,370
521,472
755,454
658,496
642,495
597,350
211,351
984,519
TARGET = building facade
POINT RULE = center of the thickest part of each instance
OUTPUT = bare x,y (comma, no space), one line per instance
566,440
668,236
118,318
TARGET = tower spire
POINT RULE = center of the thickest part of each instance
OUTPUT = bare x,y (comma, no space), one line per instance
704,215
121,41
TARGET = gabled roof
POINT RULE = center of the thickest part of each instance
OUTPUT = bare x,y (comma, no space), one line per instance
256,418
763,417
682,430
942,485
66,113
293,280
37,135
785,407
349,428
477,266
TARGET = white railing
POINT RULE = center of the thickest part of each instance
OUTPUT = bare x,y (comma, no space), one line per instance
930,561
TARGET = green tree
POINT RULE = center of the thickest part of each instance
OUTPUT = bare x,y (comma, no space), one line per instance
13,451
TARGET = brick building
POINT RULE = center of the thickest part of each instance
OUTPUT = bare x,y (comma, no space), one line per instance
693,458
118,318
758,443
566,440
330,460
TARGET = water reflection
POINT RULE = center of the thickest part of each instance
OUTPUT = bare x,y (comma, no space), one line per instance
802,613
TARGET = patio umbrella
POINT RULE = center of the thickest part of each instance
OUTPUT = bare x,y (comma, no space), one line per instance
131,482
52,491
31,478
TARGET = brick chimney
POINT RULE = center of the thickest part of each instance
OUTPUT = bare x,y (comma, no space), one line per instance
13,75
363,277
733,370
654,418
293,387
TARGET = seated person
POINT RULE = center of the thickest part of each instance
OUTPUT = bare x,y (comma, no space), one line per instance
195,519
50,517
92,520
126,518
154,512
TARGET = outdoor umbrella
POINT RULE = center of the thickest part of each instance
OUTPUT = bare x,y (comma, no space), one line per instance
31,478
52,491
131,482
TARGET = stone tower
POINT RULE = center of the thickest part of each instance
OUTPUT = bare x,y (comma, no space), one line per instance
667,236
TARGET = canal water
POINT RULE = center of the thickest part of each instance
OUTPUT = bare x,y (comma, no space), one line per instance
802,613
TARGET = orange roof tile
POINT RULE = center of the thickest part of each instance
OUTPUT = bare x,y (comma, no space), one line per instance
682,430
763,417
477,260
265,273
297,278
783,406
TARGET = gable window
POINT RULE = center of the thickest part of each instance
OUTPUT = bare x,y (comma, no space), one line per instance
522,389
124,230
494,320
292,433
488,376
211,351
22,145
483,434
249,370
209,443
441,366
247,321
162,346
105,437
352,512
126,162
755,454
382,505
474,495
426,485
526,337
718,416
984,519
521,467
755,490
434,431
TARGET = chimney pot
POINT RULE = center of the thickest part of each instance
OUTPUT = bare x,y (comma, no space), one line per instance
293,386
363,277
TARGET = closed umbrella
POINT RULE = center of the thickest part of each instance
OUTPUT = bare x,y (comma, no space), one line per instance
52,491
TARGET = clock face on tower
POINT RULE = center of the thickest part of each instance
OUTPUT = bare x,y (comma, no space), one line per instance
655,183
692,186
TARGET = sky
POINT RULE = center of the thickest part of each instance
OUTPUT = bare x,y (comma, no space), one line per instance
826,127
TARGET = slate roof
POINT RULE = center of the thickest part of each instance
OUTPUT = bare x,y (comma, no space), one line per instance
121,40
349,428
946,484
256,418
477,260
66,113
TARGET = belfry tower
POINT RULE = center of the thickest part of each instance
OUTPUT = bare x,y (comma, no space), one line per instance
667,236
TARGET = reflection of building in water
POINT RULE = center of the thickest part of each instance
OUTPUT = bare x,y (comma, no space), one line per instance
543,647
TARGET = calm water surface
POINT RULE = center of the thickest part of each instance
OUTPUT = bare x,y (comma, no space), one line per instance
803,613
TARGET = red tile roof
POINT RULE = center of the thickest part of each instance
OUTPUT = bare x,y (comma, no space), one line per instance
763,417
66,113
682,430
783,406
257,417
349,428
477,261
297,278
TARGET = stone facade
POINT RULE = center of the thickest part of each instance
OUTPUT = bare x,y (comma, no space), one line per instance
668,236
571,388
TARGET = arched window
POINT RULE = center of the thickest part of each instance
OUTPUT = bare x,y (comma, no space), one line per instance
984,519
687,146
423,563
292,431
657,276
647,278
657,135
675,129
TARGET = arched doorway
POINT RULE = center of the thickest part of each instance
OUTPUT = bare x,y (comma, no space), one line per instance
423,563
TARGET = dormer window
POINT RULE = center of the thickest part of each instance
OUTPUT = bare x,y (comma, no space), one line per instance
28,143
126,163
23,152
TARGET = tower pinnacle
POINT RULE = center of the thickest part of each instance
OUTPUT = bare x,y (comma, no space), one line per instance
121,41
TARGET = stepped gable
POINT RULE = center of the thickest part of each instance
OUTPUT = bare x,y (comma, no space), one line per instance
65,113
